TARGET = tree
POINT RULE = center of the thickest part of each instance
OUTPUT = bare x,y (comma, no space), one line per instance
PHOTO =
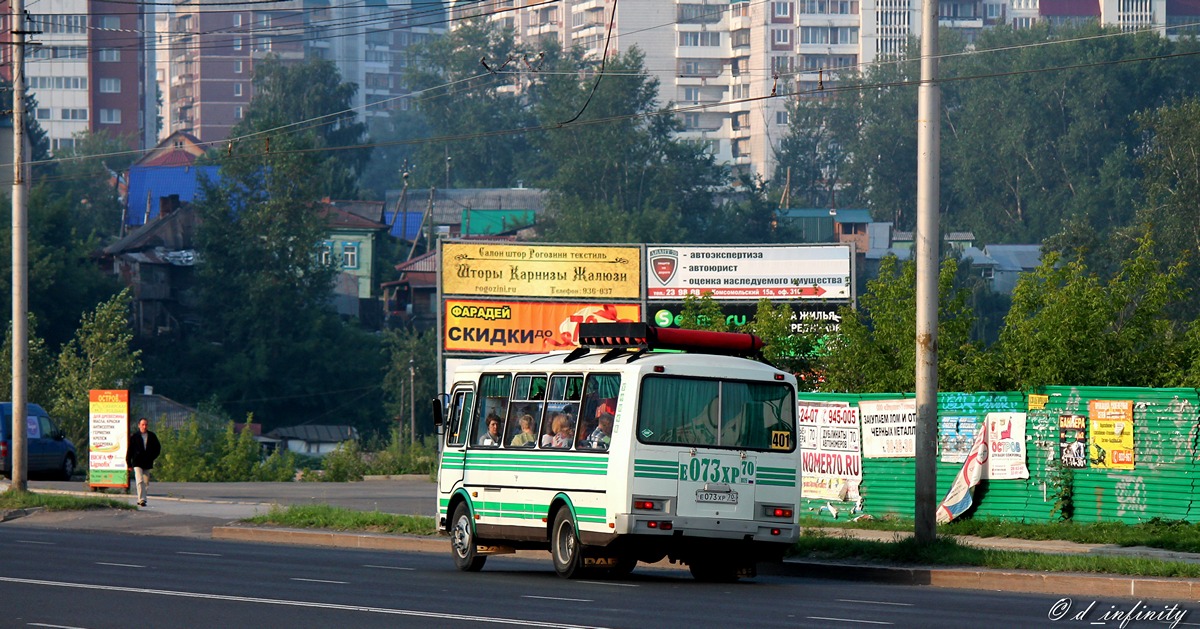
405,350
811,158
1171,213
40,369
308,105
269,342
1069,326
38,142
88,183
463,84
610,159
875,349
64,279
98,357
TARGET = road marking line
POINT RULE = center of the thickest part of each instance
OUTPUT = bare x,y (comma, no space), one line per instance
320,581
616,585
558,598
868,622
119,565
184,552
31,541
108,589
42,624
388,567
854,600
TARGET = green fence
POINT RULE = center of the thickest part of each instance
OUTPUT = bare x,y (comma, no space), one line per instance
1160,484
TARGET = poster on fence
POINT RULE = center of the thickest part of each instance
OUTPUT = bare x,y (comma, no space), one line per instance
1072,441
889,428
830,452
956,433
961,494
1111,434
1006,441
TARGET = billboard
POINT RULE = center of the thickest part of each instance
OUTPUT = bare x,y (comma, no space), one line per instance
521,327
541,271
807,317
108,437
783,272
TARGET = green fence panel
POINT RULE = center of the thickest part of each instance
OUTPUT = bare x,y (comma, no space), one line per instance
1026,500
890,481
1161,483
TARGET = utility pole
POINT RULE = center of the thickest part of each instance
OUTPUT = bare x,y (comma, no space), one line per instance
927,237
412,402
20,258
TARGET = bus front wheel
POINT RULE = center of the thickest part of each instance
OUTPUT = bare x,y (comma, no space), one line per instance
462,541
565,546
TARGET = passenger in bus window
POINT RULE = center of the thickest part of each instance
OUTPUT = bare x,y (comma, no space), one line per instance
492,436
602,435
565,436
555,425
525,438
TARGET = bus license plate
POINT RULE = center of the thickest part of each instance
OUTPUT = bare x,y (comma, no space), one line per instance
716,496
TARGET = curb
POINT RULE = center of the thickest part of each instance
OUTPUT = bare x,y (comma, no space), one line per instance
335,539
1070,584
12,514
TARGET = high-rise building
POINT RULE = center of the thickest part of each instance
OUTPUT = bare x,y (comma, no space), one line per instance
86,66
215,45
720,62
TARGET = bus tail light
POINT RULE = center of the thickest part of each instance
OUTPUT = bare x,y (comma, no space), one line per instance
775,531
641,504
779,512
665,525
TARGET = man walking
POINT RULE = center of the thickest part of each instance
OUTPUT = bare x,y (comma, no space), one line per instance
143,449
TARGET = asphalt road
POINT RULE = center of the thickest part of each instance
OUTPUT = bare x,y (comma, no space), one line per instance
53,578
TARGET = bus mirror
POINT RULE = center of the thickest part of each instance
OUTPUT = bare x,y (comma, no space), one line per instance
439,411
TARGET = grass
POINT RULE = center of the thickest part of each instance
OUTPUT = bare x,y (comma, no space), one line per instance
946,551
338,519
56,502
1175,535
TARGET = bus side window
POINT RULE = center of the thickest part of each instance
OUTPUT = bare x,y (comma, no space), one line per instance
494,391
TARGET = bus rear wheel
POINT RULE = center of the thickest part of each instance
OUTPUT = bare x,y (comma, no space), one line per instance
565,546
462,541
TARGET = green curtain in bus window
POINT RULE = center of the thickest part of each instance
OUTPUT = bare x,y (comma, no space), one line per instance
495,386
677,410
750,412
607,385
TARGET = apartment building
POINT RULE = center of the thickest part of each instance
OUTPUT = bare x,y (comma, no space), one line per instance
720,62
214,46
85,66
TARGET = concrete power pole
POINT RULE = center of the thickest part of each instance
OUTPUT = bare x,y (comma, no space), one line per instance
928,237
20,268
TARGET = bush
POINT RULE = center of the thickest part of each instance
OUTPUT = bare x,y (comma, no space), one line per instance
344,464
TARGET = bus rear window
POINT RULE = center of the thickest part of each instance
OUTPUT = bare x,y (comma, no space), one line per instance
717,413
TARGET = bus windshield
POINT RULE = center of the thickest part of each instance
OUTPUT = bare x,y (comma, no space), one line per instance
717,413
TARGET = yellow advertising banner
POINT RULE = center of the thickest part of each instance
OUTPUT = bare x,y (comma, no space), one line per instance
1110,439
531,270
108,436
515,327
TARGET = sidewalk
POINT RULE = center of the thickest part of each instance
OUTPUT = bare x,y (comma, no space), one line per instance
220,519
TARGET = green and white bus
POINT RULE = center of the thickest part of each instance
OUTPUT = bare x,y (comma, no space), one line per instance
618,452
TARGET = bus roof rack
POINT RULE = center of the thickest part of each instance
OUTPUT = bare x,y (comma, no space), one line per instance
644,337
